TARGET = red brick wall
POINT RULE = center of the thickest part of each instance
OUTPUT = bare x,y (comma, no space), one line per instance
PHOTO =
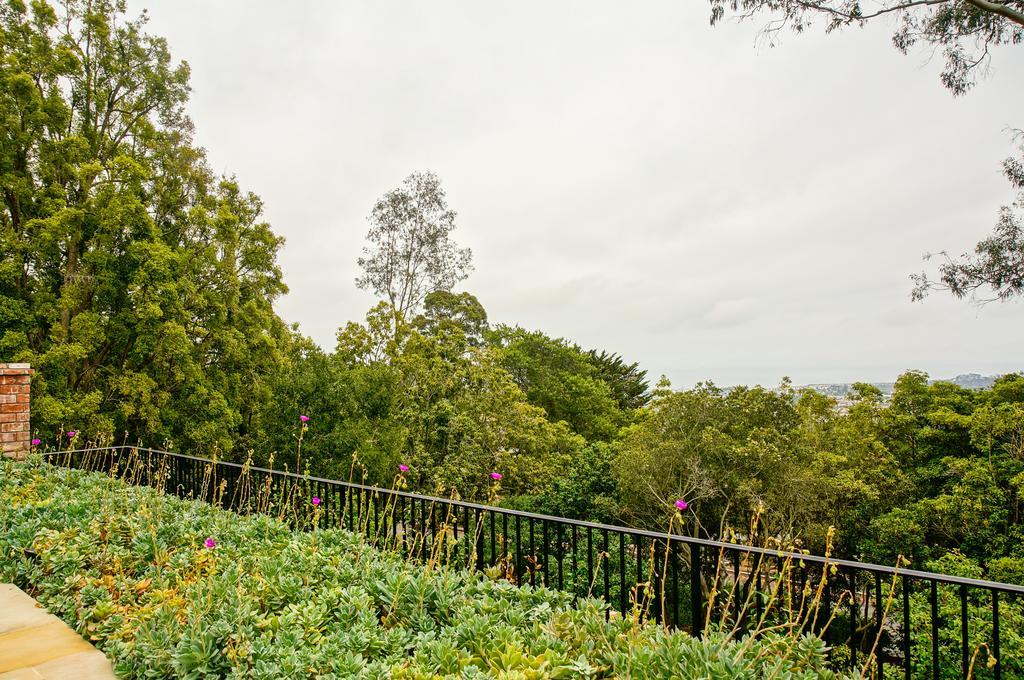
15,434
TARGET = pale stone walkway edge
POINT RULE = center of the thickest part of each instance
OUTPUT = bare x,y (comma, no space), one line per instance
36,644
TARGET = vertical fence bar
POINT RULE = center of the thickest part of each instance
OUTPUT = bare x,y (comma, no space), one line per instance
478,530
674,559
466,535
656,569
575,579
343,521
377,500
607,567
434,522
413,530
736,604
339,506
907,663
504,536
640,590
366,501
533,555
439,515
360,512
340,494
879,660
493,545
935,628
392,502
696,596
964,653
750,592
545,550
854,642
622,573
446,520
519,551
423,530
325,502
759,596
404,542
559,554
409,528
998,670
590,560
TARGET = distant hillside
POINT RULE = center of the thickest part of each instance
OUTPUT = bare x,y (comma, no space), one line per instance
971,381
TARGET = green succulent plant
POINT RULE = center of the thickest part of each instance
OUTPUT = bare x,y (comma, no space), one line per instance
128,567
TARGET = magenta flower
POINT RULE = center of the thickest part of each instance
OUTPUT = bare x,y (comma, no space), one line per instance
36,442
304,419
403,467
495,476
71,434
316,500
681,504
210,543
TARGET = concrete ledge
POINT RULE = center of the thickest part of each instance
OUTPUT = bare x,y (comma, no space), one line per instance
36,644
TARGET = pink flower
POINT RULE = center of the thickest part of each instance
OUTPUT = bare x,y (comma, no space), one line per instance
36,442
304,419
495,476
316,500
403,467
71,434
210,543
681,504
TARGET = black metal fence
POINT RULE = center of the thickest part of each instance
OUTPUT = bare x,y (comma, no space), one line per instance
884,621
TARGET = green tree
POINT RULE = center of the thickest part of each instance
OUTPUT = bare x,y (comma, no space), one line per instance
586,490
849,477
949,607
628,382
445,312
965,31
138,283
959,451
412,252
730,455
424,395
997,264
563,380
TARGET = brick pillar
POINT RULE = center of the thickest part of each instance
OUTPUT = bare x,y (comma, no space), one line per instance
15,435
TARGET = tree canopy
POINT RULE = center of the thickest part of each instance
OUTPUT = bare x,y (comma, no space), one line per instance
995,271
933,470
411,251
139,283
965,31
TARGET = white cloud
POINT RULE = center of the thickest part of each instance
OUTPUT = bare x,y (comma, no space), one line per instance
627,176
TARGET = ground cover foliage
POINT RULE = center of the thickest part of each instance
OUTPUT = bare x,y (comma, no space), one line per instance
175,588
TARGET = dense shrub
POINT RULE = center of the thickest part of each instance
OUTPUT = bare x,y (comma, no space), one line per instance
129,568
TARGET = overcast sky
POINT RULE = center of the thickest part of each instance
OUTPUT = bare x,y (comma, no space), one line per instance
627,177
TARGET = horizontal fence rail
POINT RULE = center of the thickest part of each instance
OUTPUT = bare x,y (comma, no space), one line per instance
885,621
